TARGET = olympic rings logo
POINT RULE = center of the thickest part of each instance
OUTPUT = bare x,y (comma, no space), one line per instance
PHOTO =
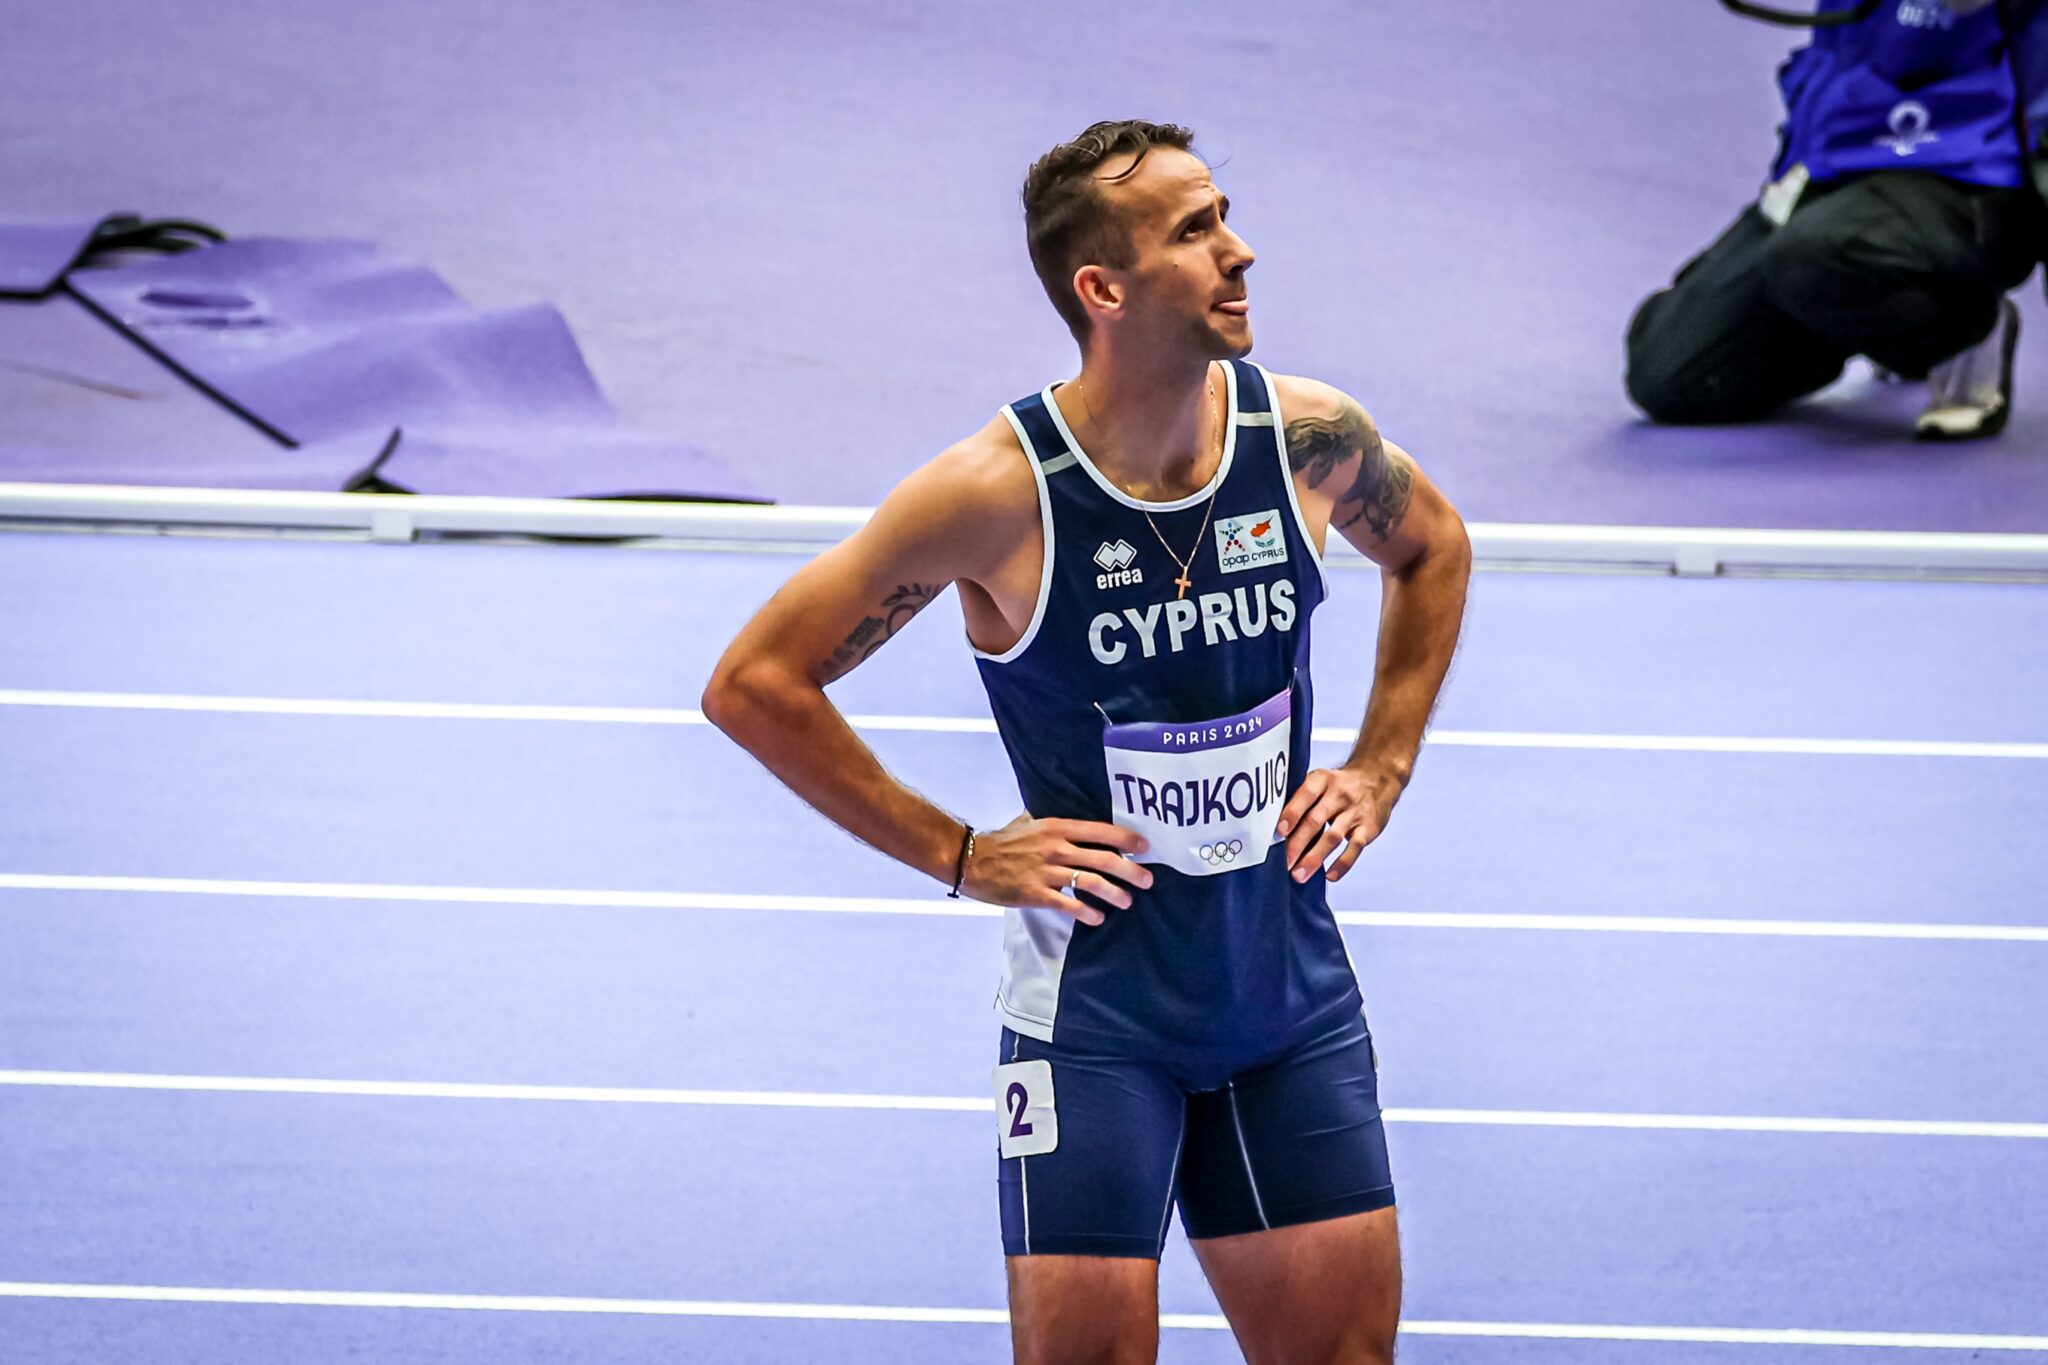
1216,855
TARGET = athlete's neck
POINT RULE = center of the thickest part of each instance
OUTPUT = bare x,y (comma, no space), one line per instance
1153,430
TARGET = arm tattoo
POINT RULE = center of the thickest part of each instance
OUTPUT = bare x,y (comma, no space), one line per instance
1317,445
1381,481
906,601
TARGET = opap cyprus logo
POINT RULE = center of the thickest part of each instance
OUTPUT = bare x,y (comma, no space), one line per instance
1114,558
1249,541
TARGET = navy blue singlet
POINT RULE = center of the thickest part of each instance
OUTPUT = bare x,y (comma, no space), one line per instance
1186,718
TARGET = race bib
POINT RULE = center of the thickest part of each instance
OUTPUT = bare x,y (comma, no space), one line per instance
1205,795
1029,1121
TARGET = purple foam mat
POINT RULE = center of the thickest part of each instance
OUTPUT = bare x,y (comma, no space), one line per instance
79,404
323,467
309,339
59,341
788,233
34,254
536,460
327,343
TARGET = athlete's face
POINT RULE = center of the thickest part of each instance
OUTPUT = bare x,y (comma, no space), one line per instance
1187,285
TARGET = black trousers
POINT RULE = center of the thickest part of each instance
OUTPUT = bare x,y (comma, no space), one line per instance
1904,267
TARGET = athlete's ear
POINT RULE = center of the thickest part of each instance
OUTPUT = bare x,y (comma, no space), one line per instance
1099,293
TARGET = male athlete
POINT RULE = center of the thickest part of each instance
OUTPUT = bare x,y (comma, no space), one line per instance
1138,553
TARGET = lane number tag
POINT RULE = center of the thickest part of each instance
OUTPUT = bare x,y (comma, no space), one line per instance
1028,1125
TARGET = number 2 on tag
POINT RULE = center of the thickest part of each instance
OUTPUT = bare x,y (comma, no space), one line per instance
1028,1124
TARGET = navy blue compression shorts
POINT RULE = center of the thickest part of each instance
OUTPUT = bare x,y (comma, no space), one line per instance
1096,1150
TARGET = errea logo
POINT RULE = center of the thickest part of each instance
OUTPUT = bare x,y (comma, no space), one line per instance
1114,558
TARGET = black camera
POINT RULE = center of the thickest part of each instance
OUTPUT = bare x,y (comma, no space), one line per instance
1805,18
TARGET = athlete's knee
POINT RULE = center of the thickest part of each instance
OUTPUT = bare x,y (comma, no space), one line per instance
1083,1310
1083,1343
1069,1353
1379,1351
1372,1343
1355,1349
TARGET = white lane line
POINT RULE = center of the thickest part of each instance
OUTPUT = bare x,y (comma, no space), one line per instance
507,895
941,908
1679,924
449,1090
1716,744
967,725
1718,1123
984,1317
384,710
806,1099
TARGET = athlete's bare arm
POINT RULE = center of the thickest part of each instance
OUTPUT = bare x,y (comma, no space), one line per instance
1349,477
968,518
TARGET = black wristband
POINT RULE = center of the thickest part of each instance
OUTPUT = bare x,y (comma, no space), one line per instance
960,867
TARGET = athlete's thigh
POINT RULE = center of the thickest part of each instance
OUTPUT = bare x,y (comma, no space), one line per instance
1325,1293
1088,1147
1287,1194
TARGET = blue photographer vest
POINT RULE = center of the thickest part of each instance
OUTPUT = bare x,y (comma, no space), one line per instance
1914,87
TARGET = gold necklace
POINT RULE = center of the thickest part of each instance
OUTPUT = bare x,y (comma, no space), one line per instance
1181,562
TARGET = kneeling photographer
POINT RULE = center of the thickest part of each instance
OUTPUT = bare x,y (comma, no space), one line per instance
1901,210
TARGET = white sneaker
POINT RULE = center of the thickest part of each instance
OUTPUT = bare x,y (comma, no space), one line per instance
1969,396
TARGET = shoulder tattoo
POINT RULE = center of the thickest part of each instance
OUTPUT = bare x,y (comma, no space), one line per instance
897,607
1348,445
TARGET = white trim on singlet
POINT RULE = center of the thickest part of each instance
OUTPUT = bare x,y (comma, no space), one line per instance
1194,499
1035,941
1045,531
1287,476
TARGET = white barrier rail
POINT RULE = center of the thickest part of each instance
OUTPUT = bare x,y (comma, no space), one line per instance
388,518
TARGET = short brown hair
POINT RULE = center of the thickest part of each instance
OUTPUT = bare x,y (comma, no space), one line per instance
1068,224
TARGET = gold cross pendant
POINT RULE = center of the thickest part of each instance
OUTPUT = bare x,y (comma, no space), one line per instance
1185,583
